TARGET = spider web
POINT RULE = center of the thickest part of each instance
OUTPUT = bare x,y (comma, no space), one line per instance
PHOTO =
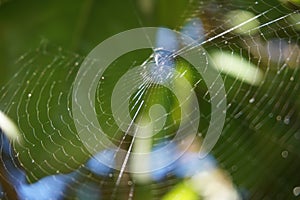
258,147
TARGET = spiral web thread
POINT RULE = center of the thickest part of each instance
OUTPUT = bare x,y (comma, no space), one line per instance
259,143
